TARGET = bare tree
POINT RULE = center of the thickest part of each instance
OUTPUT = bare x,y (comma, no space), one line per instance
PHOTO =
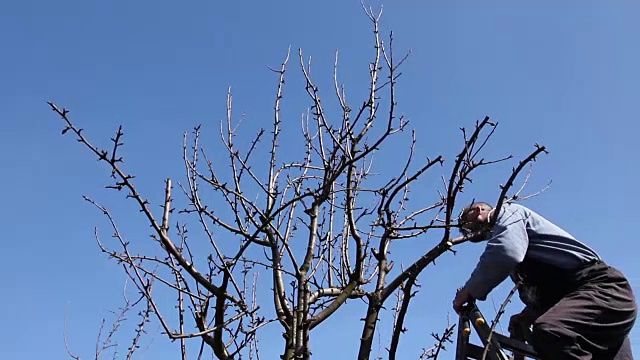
322,224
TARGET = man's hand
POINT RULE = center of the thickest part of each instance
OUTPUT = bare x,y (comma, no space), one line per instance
463,296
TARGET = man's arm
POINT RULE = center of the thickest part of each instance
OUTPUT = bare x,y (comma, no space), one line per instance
505,249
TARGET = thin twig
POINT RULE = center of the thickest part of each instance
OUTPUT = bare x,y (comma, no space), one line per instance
496,320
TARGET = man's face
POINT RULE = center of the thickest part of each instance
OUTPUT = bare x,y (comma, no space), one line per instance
477,213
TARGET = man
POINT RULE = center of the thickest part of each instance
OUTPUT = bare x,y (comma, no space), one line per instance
579,307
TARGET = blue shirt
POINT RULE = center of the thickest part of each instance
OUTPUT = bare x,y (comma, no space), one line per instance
521,232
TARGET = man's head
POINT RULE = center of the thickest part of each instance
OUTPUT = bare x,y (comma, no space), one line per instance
474,218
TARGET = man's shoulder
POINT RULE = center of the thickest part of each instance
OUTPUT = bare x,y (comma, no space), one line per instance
511,208
515,206
511,213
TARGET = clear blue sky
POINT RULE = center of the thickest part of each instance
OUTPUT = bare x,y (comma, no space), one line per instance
563,76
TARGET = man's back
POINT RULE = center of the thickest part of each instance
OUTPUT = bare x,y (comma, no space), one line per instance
547,242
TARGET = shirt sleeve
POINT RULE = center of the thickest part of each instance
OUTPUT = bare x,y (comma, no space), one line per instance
505,249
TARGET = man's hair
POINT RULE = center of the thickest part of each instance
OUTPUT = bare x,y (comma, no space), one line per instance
466,227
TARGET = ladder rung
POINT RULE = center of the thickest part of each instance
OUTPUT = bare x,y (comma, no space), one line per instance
515,345
474,351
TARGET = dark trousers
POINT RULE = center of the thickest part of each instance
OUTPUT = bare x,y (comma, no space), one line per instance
589,313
